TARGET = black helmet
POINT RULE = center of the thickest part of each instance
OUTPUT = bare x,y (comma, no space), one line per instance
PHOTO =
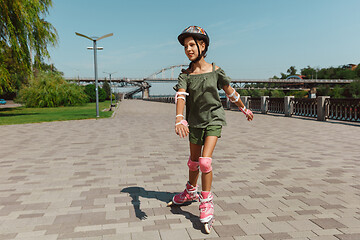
195,32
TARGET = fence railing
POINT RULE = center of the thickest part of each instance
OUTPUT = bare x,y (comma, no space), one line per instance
321,108
254,104
343,109
161,99
304,107
276,105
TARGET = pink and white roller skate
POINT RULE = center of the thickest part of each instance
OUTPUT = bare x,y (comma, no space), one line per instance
188,195
206,210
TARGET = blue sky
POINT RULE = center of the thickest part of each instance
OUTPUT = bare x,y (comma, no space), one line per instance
248,38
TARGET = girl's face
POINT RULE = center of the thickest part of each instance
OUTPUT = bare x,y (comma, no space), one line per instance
191,49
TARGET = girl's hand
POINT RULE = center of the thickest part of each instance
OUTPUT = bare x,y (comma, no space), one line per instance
181,128
249,115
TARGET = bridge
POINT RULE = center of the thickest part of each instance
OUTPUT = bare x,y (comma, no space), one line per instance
169,74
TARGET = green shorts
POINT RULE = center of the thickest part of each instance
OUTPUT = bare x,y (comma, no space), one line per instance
198,135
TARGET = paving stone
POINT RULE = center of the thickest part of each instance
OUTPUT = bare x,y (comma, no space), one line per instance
355,236
307,212
198,232
329,237
278,227
87,234
275,236
281,218
254,228
254,237
327,223
229,230
112,178
150,235
174,234
156,227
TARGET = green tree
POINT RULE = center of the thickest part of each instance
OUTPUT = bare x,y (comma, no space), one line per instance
90,91
308,72
292,71
243,92
259,92
277,94
106,87
337,92
357,72
283,76
24,33
354,89
323,91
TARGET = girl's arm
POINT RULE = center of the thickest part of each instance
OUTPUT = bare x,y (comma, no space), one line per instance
235,98
181,127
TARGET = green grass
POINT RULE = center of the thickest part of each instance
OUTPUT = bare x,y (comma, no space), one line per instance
22,115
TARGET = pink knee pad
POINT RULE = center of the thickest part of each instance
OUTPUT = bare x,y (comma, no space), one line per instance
193,166
205,164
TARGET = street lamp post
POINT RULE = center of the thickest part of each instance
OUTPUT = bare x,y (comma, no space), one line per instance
95,64
110,89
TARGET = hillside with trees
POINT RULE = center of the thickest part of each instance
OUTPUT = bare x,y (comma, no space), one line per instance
349,71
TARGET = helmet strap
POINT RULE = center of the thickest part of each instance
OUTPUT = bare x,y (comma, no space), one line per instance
200,55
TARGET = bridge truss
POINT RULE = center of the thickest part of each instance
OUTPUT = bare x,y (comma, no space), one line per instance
162,72
170,74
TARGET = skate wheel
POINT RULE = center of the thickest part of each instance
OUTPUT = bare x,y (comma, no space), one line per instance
207,228
209,225
170,203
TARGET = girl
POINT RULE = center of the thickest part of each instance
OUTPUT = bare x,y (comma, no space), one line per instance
205,117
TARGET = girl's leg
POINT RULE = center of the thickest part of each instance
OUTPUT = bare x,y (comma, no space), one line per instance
195,153
209,146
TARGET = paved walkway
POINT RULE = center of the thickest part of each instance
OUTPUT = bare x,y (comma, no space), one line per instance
274,178
10,104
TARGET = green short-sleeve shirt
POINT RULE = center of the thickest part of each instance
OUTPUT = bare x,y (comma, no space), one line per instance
203,105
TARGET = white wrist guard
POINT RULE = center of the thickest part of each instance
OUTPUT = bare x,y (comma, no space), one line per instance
183,122
179,95
234,95
246,111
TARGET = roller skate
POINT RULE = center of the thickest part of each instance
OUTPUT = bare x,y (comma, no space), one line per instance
188,195
206,210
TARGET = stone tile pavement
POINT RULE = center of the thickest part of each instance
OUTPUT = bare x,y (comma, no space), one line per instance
274,178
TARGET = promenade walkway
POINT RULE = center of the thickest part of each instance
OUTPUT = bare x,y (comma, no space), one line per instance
274,178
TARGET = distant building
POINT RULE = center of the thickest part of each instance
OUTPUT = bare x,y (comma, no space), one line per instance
351,66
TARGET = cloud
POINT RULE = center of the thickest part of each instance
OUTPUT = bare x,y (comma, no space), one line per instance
252,27
221,23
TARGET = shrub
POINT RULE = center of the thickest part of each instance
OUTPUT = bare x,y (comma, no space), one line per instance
337,92
49,89
243,92
354,87
107,89
298,93
277,93
259,92
90,92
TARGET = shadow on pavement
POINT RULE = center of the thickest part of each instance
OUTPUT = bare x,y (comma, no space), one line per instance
136,192
188,215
